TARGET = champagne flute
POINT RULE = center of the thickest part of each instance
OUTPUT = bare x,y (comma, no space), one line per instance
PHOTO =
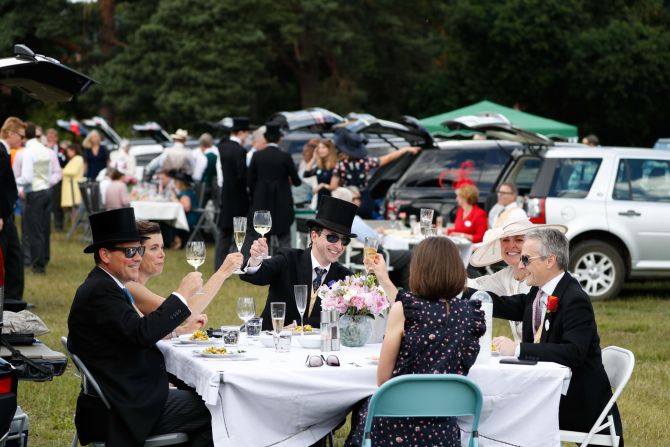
246,309
195,256
300,292
369,253
263,224
239,233
277,313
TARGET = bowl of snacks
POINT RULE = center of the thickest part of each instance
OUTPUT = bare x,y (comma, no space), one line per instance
309,340
306,329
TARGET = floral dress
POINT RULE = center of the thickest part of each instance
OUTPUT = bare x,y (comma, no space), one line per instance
356,172
429,346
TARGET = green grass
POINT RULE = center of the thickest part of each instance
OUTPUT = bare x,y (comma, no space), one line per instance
636,321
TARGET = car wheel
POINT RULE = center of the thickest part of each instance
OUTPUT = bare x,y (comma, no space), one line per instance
599,269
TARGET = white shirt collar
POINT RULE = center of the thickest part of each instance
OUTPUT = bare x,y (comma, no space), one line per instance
510,205
113,277
550,286
236,140
315,263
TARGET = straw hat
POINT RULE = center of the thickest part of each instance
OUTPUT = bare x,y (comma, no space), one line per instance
180,135
490,252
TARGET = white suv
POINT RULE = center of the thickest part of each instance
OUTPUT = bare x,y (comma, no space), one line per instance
614,202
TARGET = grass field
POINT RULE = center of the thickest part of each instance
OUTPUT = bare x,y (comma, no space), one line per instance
636,320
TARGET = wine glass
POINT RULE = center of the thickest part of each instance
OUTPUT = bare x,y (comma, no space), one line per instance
263,224
239,233
195,256
426,220
300,292
246,309
277,313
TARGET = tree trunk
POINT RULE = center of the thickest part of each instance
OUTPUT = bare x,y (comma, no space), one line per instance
107,33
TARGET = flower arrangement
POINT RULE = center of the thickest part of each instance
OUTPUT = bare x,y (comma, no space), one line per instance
552,303
349,296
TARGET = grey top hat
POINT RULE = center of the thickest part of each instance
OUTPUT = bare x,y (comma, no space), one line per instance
113,226
335,214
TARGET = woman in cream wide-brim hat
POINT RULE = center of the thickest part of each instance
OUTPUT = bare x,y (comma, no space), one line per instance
504,244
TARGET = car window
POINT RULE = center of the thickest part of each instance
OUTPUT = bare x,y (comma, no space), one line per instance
643,180
436,168
525,173
573,177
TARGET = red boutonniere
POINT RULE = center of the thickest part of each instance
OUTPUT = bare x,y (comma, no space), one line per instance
552,303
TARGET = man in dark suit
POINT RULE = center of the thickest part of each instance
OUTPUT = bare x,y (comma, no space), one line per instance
12,134
234,197
271,175
118,345
558,326
329,232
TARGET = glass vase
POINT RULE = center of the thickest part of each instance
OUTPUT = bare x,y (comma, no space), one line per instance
355,330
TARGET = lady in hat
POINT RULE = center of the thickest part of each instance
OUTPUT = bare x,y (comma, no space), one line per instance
504,244
186,197
354,166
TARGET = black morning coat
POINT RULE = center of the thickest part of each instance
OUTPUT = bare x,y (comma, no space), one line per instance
571,340
119,348
287,268
271,174
234,197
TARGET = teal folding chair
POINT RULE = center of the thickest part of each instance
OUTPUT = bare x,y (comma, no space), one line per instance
426,395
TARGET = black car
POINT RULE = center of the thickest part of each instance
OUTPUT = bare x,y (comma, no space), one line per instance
382,137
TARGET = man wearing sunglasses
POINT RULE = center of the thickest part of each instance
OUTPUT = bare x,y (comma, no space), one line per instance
118,345
329,233
558,326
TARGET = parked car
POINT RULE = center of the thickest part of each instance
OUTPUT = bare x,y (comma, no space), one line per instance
382,137
614,202
662,143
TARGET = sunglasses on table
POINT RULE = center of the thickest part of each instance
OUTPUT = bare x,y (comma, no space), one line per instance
314,361
129,252
525,259
333,238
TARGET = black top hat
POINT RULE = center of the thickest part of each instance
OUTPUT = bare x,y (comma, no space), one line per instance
241,123
350,143
180,175
109,227
272,132
335,214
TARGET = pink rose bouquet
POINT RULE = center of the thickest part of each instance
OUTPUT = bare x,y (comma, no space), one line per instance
349,296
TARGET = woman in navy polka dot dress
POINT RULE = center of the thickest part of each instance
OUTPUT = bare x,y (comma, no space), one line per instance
430,331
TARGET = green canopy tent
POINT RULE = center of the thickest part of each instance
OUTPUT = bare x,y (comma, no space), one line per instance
533,123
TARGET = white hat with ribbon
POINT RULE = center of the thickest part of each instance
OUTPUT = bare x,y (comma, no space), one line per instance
490,252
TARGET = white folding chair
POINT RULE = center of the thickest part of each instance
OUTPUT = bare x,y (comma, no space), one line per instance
90,386
619,364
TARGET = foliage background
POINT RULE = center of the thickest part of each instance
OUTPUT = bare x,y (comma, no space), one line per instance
603,66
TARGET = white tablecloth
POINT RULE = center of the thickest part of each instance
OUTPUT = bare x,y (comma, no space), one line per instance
276,400
172,212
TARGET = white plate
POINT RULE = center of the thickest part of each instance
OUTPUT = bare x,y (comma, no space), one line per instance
186,339
228,355
309,341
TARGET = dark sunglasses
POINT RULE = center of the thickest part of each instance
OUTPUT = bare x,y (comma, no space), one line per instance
525,259
333,238
129,252
314,361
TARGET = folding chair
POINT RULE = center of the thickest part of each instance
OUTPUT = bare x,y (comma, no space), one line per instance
619,364
426,395
209,214
90,386
91,202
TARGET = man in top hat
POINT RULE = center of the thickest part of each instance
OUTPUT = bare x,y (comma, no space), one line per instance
271,175
329,233
558,326
234,197
118,346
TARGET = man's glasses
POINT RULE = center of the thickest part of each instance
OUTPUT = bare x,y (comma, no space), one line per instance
525,259
333,238
129,252
22,135
314,361
504,192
